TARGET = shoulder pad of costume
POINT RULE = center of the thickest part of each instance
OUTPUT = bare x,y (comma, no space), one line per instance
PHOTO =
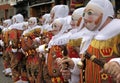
109,31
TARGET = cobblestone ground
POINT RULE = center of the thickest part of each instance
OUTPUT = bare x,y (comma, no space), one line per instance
3,78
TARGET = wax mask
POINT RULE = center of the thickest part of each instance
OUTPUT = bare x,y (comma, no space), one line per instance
75,22
92,16
5,24
56,27
30,23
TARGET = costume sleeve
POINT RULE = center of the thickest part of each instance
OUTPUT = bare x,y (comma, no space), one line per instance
117,45
1,43
116,59
74,79
75,72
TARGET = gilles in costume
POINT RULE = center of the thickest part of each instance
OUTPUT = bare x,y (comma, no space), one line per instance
32,60
101,43
104,44
55,51
48,33
4,45
14,35
70,39
53,74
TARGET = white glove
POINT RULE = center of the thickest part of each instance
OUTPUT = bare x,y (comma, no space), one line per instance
1,43
10,43
41,48
14,50
22,51
37,39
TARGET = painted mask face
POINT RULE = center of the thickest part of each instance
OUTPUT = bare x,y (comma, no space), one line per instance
30,23
25,26
92,17
75,22
56,26
5,24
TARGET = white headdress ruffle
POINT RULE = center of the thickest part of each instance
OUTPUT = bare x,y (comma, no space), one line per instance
47,18
60,11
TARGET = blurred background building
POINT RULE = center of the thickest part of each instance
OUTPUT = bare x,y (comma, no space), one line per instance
39,7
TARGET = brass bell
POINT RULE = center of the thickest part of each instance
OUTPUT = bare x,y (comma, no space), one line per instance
80,64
